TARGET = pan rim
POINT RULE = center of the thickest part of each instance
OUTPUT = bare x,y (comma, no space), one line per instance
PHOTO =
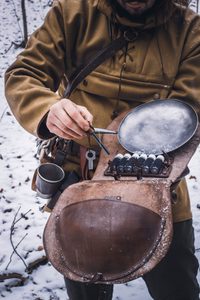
154,103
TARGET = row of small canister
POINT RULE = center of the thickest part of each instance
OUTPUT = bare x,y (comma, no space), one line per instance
127,163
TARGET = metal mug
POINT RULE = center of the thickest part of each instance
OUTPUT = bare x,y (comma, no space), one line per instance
48,179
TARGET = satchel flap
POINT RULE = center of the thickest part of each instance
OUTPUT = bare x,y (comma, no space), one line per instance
109,232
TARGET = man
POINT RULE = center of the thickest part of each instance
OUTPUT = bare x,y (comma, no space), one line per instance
163,62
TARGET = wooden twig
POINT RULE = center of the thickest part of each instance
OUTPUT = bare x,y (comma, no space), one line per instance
35,264
15,12
24,34
13,275
11,241
15,251
16,45
3,113
32,266
6,51
22,278
22,216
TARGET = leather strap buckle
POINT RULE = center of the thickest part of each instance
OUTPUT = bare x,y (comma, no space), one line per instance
130,35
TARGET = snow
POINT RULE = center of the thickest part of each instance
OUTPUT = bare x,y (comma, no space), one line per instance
18,162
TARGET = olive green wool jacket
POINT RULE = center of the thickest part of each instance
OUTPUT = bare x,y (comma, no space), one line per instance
163,62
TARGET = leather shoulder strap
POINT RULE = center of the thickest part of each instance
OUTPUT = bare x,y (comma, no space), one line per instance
102,55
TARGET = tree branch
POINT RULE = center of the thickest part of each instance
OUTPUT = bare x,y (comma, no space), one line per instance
11,240
13,275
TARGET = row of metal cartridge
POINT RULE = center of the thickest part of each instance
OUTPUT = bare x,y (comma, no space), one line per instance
132,164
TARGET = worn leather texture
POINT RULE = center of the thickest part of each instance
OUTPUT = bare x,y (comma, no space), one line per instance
108,230
110,233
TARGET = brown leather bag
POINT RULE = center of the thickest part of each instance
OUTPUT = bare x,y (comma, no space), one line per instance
113,230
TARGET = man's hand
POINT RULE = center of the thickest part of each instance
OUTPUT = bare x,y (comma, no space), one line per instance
68,120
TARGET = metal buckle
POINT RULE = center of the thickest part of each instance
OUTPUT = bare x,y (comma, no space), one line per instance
130,35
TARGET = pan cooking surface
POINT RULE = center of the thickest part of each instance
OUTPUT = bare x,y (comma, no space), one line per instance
157,126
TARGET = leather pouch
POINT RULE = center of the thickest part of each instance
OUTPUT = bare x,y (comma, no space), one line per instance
113,230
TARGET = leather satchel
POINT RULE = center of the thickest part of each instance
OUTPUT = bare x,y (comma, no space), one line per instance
114,229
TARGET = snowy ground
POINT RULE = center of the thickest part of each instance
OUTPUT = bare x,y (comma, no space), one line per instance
18,162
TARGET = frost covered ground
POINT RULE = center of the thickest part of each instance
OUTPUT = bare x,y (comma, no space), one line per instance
18,162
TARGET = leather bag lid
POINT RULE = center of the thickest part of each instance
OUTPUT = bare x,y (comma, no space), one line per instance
99,238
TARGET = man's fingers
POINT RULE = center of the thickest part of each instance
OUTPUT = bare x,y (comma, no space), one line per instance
68,120
77,113
85,113
66,134
55,123
65,123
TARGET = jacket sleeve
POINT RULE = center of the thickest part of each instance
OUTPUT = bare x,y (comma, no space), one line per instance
32,80
187,82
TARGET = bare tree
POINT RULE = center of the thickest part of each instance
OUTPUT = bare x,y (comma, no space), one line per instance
25,27
197,6
24,32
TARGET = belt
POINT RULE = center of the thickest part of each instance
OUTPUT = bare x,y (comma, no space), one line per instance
74,149
69,147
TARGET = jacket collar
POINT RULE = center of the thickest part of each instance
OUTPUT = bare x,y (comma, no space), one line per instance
151,21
